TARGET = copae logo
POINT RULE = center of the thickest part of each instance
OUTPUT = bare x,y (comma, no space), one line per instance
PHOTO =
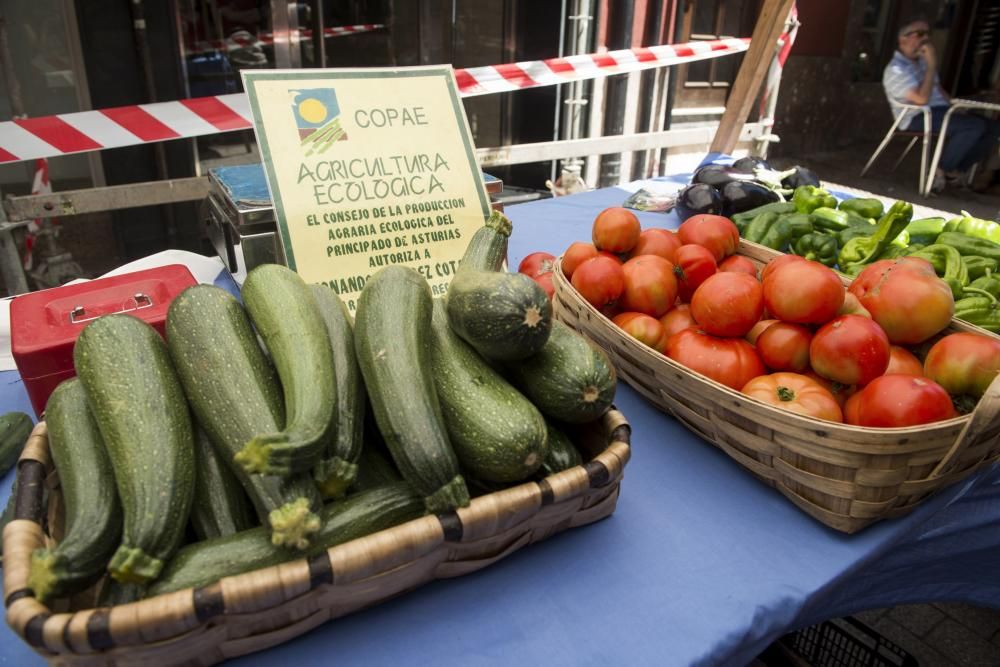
317,115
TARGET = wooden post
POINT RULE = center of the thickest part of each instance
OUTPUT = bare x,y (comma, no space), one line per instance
770,24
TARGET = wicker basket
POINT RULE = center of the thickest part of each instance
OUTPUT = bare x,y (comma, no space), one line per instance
257,610
846,477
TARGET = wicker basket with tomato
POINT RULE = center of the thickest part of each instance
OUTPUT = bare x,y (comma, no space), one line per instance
856,399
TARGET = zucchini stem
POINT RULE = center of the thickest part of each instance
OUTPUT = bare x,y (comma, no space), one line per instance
334,476
451,495
292,524
279,454
131,565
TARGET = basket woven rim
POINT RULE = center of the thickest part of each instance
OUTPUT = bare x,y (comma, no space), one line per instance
171,616
561,281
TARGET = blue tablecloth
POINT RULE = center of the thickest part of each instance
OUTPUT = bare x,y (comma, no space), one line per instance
700,564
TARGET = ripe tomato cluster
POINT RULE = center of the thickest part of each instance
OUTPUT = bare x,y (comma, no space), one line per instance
792,336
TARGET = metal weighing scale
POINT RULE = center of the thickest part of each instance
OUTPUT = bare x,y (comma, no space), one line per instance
239,217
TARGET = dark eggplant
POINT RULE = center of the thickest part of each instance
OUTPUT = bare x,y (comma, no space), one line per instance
802,176
740,196
717,175
697,198
747,165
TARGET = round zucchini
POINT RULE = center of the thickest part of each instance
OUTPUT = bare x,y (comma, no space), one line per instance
569,380
504,316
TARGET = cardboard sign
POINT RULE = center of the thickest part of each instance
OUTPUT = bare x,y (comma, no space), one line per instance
368,168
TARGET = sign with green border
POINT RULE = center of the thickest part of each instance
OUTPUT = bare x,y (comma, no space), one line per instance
368,168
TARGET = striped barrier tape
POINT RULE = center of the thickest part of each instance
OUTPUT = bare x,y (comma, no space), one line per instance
83,131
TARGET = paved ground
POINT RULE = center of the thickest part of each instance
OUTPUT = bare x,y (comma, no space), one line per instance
939,634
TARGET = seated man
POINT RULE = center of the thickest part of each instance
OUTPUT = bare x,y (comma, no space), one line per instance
911,78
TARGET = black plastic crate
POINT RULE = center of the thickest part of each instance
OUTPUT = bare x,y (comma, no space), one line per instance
846,642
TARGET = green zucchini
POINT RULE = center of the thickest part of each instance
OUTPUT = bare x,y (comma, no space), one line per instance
487,250
336,471
374,470
393,346
288,319
221,506
15,427
569,380
343,520
562,454
497,434
93,515
234,394
504,316
137,401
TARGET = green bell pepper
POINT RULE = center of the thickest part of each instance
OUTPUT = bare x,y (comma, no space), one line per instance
979,308
925,230
894,251
970,245
808,198
819,247
866,208
801,223
948,264
988,283
741,220
769,229
979,266
860,251
830,219
983,229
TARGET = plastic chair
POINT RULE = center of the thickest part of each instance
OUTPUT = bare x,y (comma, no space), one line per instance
914,135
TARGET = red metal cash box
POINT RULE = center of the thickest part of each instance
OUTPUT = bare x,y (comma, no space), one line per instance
44,325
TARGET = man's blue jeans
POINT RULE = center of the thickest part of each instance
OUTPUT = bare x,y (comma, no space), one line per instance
970,138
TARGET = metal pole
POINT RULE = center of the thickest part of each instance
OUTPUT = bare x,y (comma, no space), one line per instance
559,88
318,37
619,37
640,159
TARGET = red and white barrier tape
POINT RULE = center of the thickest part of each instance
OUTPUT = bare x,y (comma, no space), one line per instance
63,134
243,39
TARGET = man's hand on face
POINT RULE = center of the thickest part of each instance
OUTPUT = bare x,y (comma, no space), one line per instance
926,52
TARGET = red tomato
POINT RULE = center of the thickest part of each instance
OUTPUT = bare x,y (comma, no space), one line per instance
850,349
851,407
545,280
902,400
616,229
795,393
841,392
650,285
902,361
600,281
804,292
852,306
677,319
906,298
964,363
693,265
714,232
576,254
738,264
757,329
654,241
777,263
729,361
647,330
536,264
784,346
728,304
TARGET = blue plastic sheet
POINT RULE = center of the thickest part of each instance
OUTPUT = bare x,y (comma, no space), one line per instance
701,564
